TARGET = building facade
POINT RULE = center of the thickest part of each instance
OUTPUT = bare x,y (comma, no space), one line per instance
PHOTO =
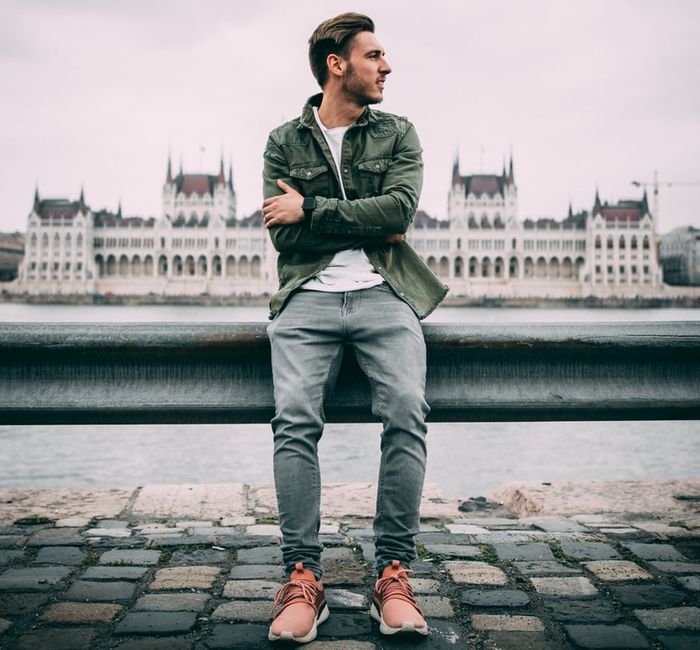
197,247
680,256
483,249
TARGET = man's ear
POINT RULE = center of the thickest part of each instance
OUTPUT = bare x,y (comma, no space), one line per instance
336,65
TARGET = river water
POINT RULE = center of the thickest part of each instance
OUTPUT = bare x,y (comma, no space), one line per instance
465,459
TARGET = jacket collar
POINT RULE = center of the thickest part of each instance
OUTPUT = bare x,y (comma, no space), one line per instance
307,119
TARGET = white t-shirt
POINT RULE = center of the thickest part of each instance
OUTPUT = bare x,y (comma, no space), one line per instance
351,269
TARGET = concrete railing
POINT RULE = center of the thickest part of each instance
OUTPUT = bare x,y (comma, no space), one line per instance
191,373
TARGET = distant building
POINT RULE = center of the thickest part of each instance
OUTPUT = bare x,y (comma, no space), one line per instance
482,249
198,246
680,256
11,253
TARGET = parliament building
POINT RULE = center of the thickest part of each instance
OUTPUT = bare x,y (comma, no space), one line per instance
199,246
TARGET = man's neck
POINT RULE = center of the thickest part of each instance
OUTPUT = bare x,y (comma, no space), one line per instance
336,110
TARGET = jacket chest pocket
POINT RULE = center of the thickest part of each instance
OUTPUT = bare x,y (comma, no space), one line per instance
371,173
312,179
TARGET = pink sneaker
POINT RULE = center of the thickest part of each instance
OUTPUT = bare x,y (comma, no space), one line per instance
393,604
300,605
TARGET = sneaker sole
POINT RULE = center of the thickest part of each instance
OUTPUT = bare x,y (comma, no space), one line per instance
406,628
309,636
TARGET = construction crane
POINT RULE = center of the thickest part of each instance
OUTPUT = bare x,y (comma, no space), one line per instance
655,186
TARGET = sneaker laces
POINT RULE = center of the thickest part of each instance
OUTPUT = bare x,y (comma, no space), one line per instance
296,591
396,585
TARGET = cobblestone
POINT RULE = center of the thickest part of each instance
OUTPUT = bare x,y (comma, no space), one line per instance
673,618
691,583
606,636
33,579
81,613
506,623
436,606
69,555
347,599
172,602
533,551
453,550
156,622
477,573
582,611
114,573
100,591
239,635
243,610
257,572
545,567
495,598
676,567
185,577
654,551
7,557
573,587
648,595
202,583
57,639
617,570
250,589
589,550
132,557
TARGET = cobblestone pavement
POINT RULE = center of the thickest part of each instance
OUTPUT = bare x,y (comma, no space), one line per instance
486,580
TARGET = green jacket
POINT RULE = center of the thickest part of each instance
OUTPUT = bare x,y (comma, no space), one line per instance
382,171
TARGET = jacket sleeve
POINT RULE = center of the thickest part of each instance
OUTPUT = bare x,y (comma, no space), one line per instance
389,213
300,237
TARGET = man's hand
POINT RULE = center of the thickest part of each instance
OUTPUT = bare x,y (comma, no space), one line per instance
396,238
284,208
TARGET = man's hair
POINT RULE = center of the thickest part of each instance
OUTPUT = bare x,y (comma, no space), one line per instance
334,36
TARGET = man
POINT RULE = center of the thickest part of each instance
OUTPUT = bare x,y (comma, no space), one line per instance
341,186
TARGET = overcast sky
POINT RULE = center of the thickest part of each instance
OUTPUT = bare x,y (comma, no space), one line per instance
586,94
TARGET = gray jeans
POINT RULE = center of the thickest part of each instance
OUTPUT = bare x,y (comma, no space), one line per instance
307,339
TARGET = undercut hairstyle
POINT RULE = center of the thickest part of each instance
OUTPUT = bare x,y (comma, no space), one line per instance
334,36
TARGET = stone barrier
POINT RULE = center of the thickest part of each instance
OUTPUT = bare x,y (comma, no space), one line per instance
69,373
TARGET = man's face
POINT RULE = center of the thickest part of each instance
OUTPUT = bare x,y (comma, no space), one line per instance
366,70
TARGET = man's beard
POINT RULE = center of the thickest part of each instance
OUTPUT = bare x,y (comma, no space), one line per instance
356,91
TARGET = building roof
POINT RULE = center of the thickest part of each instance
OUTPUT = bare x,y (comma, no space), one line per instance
201,184
106,219
424,220
254,220
59,208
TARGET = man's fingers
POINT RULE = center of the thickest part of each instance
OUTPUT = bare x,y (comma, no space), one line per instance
283,186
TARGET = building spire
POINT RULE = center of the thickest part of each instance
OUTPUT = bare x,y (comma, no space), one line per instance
36,198
230,174
456,178
169,177
119,208
221,179
596,204
180,172
511,175
571,211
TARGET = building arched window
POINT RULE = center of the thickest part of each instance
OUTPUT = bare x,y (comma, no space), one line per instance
32,241
633,243
597,242
458,267
79,241
610,243
459,243
56,239
645,243
622,242
45,240
68,240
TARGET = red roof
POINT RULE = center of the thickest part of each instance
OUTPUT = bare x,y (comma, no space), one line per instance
195,184
483,184
620,214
